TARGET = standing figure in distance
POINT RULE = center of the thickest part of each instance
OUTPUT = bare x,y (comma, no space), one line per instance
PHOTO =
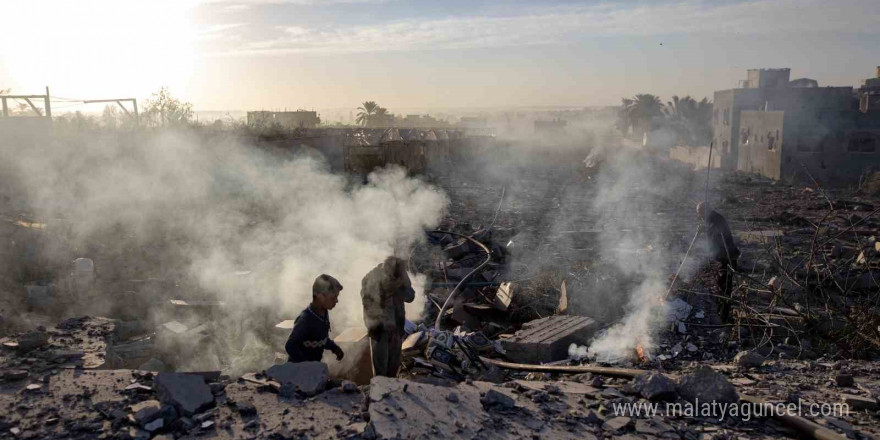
723,251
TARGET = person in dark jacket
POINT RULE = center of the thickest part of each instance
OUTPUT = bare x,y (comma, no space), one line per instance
724,252
384,290
311,330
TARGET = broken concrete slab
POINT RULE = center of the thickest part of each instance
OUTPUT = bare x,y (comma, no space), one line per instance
310,378
146,411
155,425
405,409
130,354
32,340
496,400
654,386
617,424
860,403
567,387
844,380
187,392
548,339
655,427
748,359
707,385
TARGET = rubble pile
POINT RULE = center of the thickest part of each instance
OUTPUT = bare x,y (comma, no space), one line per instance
74,343
805,306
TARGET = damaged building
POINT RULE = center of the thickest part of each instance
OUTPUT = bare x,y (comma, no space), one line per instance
793,129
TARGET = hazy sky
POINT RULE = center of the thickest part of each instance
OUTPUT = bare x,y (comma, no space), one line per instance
252,54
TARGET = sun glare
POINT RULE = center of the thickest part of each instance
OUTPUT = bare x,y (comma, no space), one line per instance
99,48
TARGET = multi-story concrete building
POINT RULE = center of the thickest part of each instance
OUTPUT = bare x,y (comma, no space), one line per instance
869,94
769,90
819,135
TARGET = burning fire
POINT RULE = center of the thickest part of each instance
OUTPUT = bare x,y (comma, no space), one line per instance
640,352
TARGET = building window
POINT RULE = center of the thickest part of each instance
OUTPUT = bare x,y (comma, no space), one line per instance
727,116
715,117
862,145
771,142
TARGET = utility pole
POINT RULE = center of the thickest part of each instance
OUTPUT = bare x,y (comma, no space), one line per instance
48,104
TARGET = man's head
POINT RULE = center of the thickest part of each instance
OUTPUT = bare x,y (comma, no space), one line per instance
701,211
325,291
396,278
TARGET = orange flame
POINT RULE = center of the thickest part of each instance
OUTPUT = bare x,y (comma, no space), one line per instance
640,352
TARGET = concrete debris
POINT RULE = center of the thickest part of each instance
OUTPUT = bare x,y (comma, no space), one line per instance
707,385
349,387
654,386
748,359
246,409
497,400
653,427
679,310
187,392
31,341
155,425
617,424
146,411
405,409
54,389
548,339
844,380
860,403
308,378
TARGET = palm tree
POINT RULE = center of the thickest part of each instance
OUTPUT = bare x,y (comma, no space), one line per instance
639,111
366,113
691,119
381,116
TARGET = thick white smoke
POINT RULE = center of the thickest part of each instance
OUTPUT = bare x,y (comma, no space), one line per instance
636,205
234,222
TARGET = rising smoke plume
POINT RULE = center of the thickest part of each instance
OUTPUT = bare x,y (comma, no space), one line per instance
229,221
635,204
